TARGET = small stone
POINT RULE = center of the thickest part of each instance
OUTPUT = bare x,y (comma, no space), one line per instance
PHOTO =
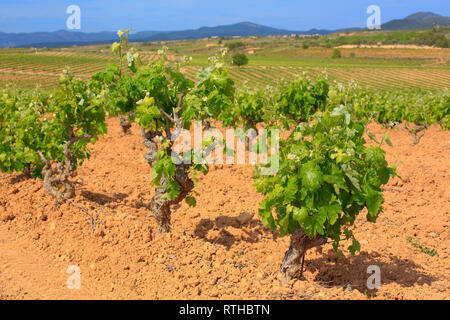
244,217
170,268
52,226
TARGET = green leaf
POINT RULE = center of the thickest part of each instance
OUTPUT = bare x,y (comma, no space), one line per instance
336,179
29,156
372,136
321,216
374,204
386,138
348,234
267,218
191,201
300,215
354,247
291,190
284,225
333,211
352,175
312,176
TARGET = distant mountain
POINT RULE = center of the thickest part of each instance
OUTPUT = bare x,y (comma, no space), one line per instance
62,37
242,29
419,20
67,38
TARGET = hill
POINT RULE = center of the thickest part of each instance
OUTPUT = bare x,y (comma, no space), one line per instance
242,29
419,20
67,38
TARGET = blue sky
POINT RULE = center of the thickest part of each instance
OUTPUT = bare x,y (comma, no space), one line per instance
110,15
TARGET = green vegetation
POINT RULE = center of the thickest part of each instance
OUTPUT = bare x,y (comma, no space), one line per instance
240,59
20,126
235,45
54,63
435,37
272,58
387,107
428,251
35,133
327,174
163,102
293,59
336,54
326,177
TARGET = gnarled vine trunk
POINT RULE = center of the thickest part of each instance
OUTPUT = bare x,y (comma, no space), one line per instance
292,266
125,124
417,133
56,180
160,205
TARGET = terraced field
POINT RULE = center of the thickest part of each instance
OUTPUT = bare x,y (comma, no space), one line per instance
377,68
376,78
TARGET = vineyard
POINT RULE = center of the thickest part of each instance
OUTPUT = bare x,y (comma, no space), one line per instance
372,68
355,174
435,79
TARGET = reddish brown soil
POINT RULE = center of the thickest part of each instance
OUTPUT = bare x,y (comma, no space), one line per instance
219,250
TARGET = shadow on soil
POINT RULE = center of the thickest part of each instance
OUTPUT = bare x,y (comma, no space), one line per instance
341,271
16,178
251,233
103,199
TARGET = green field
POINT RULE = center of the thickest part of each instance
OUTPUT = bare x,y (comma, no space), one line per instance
271,59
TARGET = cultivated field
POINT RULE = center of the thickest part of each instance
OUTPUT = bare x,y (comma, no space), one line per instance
220,248
270,61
